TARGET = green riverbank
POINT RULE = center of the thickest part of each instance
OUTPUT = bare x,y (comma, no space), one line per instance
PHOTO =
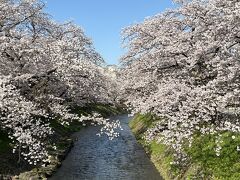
203,162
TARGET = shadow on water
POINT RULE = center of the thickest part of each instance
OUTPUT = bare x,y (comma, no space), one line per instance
98,158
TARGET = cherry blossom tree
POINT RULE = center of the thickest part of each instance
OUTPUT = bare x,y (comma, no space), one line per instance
183,65
46,68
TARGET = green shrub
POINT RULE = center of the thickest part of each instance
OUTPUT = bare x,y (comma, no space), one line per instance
225,166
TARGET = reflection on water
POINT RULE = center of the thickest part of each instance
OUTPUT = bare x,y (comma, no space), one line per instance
97,158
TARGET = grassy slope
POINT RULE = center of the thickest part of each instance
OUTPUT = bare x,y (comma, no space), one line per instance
160,155
204,163
61,139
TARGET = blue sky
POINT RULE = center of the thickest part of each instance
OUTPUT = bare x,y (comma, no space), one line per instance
102,20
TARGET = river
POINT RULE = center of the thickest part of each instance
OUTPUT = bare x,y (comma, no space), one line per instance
98,158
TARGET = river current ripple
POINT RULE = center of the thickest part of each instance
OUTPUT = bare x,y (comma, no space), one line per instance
98,158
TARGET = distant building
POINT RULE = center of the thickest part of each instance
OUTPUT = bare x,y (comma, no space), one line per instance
110,70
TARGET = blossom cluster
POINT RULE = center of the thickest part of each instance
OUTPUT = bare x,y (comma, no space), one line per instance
20,118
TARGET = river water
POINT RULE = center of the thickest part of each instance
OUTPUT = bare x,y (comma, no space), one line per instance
98,158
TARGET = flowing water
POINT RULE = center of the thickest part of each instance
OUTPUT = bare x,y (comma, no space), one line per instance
98,158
